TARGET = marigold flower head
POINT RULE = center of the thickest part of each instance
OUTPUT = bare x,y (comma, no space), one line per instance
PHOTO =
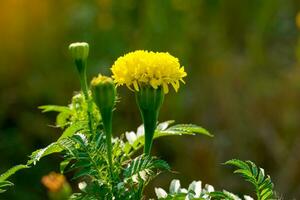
140,67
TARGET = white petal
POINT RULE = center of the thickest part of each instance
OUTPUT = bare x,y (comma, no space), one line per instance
174,186
163,126
183,190
196,187
160,193
209,188
140,131
82,185
130,136
246,197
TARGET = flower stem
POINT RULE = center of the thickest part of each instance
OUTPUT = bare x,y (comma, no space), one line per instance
150,120
81,67
107,122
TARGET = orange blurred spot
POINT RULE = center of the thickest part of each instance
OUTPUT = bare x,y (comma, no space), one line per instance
54,181
298,20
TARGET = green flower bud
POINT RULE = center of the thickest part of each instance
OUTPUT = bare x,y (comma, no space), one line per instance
104,92
104,95
149,101
79,52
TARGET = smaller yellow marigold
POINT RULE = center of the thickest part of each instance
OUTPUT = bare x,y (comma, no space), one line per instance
140,67
100,79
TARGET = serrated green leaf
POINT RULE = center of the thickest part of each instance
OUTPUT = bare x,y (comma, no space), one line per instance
238,163
40,153
143,167
263,184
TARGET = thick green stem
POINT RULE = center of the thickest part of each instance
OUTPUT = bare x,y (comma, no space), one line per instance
107,123
150,119
149,101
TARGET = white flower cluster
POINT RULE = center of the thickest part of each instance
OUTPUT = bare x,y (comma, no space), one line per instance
194,191
132,136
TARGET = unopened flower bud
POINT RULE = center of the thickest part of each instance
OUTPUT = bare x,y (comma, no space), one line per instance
104,95
79,50
104,92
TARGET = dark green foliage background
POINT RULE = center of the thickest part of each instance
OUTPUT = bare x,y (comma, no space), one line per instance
243,82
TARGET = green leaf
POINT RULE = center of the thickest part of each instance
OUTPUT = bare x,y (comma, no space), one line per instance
55,108
11,171
40,153
176,130
220,195
71,130
256,176
142,168
187,129
62,119
4,185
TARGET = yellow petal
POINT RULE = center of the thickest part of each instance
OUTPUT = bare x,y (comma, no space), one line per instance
165,88
136,86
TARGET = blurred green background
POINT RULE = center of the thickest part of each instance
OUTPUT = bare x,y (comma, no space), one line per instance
243,82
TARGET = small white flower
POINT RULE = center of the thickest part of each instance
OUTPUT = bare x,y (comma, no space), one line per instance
140,131
246,197
131,137
174,186
209,188
160,193
183,190
196,187
82,185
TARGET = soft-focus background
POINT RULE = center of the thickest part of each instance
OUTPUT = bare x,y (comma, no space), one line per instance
243,82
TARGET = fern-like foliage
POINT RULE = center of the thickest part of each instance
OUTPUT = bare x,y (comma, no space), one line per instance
143,167
256,176
85,154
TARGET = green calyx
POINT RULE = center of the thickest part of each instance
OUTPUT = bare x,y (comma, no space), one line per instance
149,101
104,95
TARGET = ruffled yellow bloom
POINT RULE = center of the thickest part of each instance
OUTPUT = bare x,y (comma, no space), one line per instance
150,68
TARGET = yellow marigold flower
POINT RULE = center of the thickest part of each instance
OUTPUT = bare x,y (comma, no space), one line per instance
146,67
